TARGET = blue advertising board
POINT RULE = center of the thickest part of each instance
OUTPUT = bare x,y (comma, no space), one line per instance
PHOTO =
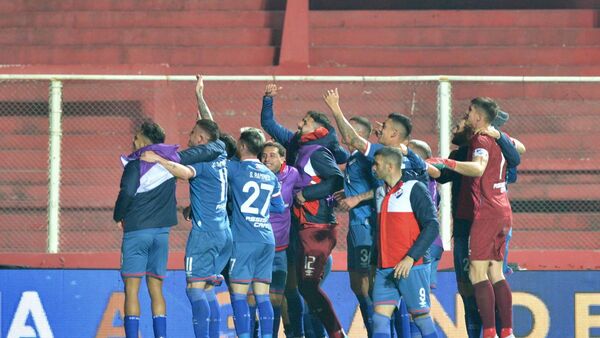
88,303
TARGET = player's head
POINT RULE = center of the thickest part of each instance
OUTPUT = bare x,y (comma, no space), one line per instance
311,121
395,130
230,144
204,131
421,148
362,125
461,133
250,142
388,164
148,133
482,111
273,156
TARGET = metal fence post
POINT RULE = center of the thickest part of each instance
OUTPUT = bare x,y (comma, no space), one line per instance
444,118
54,157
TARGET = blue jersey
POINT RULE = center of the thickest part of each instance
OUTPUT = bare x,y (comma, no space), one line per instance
254,188
208,194
358,179
413,167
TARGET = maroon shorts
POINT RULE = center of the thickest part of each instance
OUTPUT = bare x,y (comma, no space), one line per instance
487,239
316,243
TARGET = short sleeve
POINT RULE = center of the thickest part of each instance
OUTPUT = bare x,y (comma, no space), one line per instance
372,149
481,146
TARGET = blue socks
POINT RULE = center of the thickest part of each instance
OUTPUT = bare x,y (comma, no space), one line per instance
241,314
366,310
159,324
414,330
381,326
132,325
200,311
253,324
426,326
265,315
472,318
214,321
402,321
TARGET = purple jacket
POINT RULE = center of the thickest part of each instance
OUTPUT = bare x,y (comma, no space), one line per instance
289,178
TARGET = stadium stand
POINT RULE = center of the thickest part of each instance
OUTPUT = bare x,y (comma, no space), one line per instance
260,37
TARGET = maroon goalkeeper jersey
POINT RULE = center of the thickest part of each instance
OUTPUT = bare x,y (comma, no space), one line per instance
485,197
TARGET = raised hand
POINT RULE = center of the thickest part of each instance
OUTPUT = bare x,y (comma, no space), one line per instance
199,85
271,89
332,98
490,131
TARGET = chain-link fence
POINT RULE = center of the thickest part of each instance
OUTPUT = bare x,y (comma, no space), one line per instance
555,203
556,200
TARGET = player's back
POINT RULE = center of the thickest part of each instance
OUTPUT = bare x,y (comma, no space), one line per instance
208,192
252,187
490,199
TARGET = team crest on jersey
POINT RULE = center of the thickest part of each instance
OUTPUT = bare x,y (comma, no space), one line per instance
399,193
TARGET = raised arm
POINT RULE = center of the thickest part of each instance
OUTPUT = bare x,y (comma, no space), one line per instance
267,118
349,134
176,169
203,110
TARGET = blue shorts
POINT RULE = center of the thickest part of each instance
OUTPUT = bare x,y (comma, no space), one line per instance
251,262
279,275
414,290
280,262
461,251
360,247
206,254
145,252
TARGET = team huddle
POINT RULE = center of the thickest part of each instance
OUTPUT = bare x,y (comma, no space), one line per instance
263,217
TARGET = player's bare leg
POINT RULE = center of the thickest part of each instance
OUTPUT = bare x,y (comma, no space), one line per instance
132,306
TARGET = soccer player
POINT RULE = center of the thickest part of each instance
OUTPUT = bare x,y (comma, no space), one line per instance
210,242
318,137
273,156
487,205
146,210
395,132
255,191
436,250
358,179
460,231
408,226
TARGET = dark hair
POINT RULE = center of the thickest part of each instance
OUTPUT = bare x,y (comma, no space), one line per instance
391,154
402,120
253,140
421,146
230,144
153,132
320,118
363,121
210,127
280,148
488,106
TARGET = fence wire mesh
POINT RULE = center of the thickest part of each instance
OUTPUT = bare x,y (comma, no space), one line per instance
99,121
555,201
